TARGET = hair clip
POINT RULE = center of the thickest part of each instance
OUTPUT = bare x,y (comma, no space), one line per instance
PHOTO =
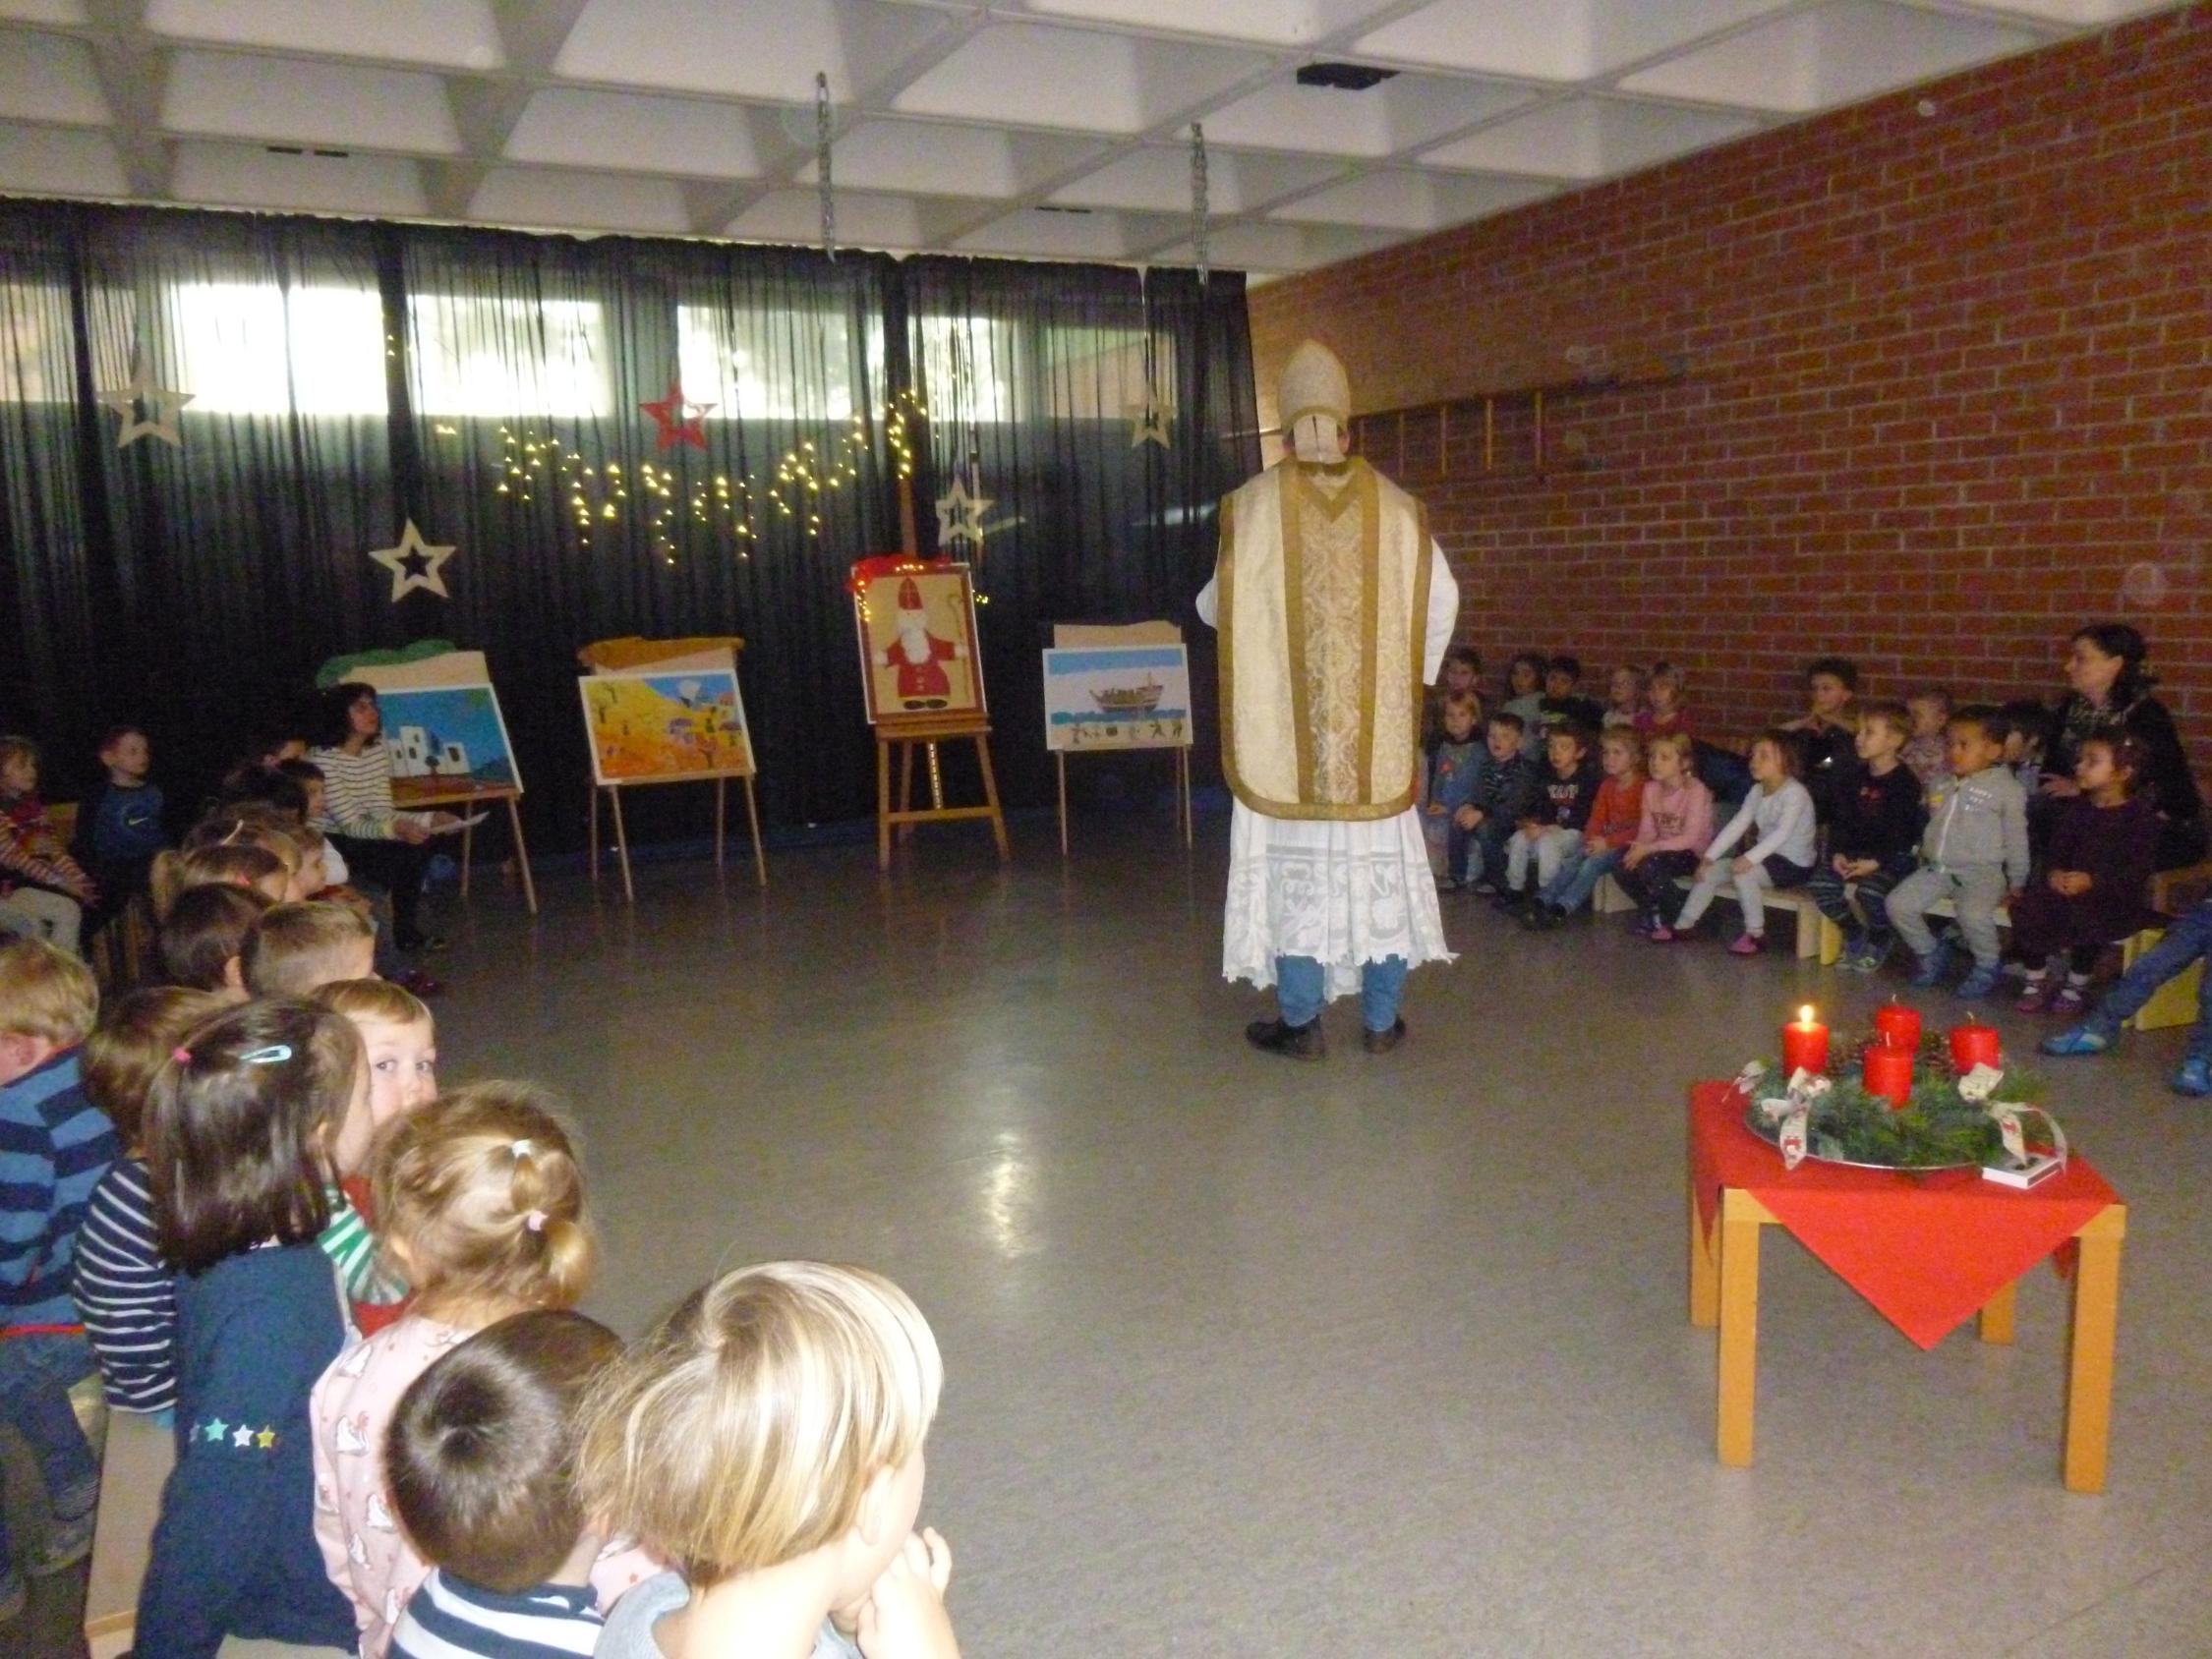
535,1221
523,1149
181,1055
276,1054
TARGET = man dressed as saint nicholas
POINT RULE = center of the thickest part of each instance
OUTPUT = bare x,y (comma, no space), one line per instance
1334,610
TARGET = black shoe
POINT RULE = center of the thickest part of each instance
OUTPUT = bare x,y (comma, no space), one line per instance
1542,918
1296,1042
1509,898
1382,1041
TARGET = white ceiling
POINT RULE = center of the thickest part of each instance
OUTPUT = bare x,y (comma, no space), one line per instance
1033,127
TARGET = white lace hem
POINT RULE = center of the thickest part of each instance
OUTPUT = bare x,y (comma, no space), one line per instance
1345,893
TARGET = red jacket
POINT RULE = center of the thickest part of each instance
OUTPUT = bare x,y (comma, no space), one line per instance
1617,811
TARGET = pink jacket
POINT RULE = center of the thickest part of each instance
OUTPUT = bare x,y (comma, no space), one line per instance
364,1551
1676,819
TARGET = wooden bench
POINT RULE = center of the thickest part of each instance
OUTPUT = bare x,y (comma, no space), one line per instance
1610,898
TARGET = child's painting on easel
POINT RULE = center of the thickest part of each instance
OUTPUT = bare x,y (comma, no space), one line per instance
643,726
918,655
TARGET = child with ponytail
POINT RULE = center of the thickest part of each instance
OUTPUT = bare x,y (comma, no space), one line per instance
245,1127
480,1206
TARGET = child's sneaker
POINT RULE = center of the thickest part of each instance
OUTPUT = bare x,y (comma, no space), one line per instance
1661,934
1929,970
1979,983
69,1540
2070,1002
2076,1040
2036,996
1448,884
1873,955
1747,944
1484,889
2194,1079
1508,898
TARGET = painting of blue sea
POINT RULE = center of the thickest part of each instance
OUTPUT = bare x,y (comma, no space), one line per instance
451,734
1118,696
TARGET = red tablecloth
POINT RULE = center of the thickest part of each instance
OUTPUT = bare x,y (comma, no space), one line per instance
1928,1251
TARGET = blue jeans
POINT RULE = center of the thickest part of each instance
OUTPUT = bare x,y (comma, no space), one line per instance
2187,938
35,1375
1301,991
1579,876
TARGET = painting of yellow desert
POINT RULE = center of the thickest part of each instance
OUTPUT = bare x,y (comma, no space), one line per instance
666,725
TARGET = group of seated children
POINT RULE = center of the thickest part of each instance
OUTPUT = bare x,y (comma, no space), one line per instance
241,1199
1891,815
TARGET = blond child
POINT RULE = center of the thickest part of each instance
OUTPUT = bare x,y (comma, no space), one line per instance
1671,832
400,1039
125,1291
177,870
43,892
1776,818
294,948
766,1439
480,1206
55,1146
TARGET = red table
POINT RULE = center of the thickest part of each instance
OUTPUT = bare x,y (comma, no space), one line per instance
1926,1250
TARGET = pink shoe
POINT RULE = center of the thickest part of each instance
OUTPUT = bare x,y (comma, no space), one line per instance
2035,996
1663,934
1746,944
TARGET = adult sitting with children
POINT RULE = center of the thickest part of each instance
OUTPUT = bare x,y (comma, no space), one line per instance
2108,668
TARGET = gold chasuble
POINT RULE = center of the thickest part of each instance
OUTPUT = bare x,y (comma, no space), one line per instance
1323,589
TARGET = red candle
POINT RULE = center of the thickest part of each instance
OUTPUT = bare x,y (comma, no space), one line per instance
1974,1045
1897,1025
1804,1045
1887,1070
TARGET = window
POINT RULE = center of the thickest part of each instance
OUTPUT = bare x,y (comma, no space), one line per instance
967,364
774,365
1099,373
38,343
253,348
504,357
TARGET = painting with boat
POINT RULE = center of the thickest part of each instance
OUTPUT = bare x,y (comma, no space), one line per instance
1117,697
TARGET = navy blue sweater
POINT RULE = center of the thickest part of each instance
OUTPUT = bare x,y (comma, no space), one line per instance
234,1552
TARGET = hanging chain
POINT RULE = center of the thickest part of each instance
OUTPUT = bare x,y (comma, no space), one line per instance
1199,203
822,163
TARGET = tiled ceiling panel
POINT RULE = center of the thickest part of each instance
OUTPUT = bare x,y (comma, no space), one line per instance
1051,128
454,34
49,78
636,133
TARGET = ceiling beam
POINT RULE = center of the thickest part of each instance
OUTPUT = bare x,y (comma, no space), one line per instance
134,71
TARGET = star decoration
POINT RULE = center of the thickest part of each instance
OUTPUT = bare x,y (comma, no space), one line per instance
677,420
959,515
1148,423
265,1439
166,402
217,1429
413,565
243,1437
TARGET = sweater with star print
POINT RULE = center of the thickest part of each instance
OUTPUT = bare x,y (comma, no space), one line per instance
234,1551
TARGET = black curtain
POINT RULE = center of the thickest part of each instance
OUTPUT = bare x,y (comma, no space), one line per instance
348,377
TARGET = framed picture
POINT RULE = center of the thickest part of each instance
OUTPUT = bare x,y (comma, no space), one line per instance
449,735
918,655
1117,697
650,727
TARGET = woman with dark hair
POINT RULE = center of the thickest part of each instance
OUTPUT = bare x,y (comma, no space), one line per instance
2108,668
382,845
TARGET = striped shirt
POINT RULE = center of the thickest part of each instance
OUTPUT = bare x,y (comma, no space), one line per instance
55,1145
127,1294
356,792
352,1249
451,1619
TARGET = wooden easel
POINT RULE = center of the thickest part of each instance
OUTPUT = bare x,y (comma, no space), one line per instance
1182,793
721,781
905,735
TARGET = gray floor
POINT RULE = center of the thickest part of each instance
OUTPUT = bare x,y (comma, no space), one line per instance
1381,1355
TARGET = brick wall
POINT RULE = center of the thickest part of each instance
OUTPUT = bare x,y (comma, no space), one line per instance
1927,381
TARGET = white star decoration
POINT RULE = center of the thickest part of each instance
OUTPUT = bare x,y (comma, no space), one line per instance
166,403
1148,423
959,515
414,564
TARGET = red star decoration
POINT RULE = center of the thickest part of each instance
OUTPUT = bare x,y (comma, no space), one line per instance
677,420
